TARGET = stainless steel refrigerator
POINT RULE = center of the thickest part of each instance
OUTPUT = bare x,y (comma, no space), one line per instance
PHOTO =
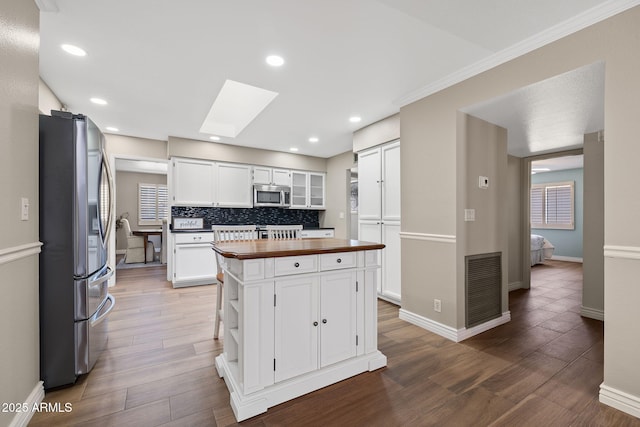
75,220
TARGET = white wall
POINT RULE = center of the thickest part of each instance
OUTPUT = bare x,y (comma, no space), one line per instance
19,245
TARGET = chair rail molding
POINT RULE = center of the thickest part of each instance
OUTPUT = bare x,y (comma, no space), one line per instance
441,238
18,252
624,252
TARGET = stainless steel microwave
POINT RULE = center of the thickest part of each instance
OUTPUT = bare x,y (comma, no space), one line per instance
271,195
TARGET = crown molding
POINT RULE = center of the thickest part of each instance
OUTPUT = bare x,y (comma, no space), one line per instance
558,31
47,5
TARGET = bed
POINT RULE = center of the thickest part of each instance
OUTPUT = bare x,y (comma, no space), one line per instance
541,249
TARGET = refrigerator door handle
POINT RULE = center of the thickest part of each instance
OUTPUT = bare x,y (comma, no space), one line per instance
97,320
110,210
103,278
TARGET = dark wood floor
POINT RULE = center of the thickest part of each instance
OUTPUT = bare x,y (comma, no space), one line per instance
541,369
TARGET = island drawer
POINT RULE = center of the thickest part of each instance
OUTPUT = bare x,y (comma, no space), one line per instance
295,265
183,238
337,261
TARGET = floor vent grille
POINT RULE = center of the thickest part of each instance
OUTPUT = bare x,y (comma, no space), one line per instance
483,286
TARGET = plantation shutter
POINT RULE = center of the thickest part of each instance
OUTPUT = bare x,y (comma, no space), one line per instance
153,203
537,207
552,205
559,204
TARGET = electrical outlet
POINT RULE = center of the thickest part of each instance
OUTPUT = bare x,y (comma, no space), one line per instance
437,305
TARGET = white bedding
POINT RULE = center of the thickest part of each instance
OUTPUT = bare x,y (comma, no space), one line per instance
541,249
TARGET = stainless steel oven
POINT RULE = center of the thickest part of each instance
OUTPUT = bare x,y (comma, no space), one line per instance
271,195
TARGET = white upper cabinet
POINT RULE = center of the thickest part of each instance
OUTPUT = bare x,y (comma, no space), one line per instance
234,186
205,183
193,182
270,176
307,190
262,175
281,177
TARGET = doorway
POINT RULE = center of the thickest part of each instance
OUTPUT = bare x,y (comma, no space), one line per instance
129,173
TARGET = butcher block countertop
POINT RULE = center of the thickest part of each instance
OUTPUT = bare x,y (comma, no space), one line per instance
271,248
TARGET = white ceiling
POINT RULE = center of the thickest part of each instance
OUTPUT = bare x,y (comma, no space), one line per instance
161,63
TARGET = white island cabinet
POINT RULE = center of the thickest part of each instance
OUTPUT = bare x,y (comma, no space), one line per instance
299,315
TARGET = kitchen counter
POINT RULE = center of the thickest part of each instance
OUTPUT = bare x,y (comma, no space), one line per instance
269,248
299,315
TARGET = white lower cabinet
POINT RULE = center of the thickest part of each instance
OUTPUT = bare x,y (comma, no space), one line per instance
315,323
194,263
287,333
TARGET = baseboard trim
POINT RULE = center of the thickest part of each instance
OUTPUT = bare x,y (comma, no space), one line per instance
515,285
448,332
21,419
18,252
566,258
440,238
592,313
620,400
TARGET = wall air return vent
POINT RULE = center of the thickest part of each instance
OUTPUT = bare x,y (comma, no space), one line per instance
483,287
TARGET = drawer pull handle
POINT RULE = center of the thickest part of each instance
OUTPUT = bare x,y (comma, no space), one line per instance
296,265
339,260
315,323
324,320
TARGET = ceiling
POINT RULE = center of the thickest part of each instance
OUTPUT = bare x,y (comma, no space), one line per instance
160,64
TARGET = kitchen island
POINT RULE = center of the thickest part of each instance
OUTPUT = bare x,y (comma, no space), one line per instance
299,315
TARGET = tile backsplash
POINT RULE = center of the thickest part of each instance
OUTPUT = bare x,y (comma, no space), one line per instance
263,215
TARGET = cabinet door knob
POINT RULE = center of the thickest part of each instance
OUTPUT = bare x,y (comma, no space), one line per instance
297,264
339,260
315,323
324,320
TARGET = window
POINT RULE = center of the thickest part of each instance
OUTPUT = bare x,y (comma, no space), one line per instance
552,205
153,204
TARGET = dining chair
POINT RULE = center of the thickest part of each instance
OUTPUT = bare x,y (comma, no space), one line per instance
227,233
284,231
135,244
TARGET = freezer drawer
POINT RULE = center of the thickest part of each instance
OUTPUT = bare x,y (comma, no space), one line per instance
91,337
90,293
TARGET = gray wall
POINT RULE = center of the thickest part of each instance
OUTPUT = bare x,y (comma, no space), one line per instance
19,246
514,221
428,128
338,194
593,234
482,151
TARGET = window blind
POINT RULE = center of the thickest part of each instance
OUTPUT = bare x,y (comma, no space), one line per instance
552,205
153,203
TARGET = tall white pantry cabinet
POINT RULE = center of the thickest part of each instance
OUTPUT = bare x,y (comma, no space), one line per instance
379,211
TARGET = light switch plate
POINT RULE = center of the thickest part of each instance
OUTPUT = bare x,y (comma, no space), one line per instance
469,214
483,182
24,209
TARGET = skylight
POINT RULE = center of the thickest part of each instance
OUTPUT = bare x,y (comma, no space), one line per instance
235,107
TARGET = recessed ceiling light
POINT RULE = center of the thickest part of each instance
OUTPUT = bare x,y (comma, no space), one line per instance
73,50
355,119
294,149
112,129
214,138
313,139
275,60
99,101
